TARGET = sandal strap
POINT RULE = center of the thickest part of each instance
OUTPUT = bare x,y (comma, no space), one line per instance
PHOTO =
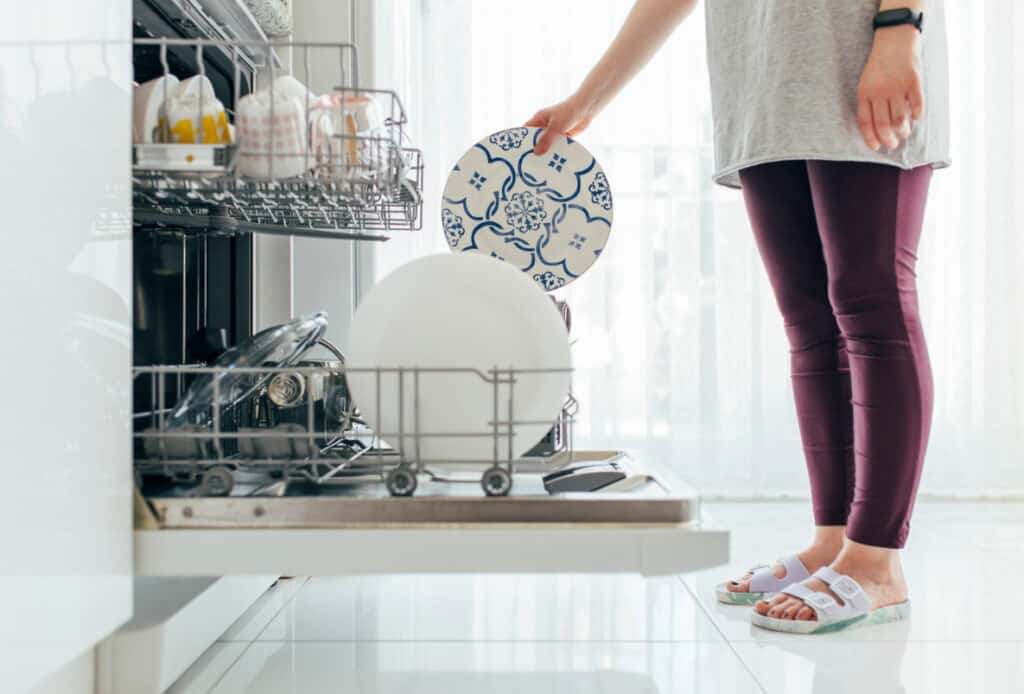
764,579
845,587
795,569
827,574
825,607
823,604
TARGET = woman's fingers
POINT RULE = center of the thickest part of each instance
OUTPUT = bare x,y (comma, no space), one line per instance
543,119
546,118
883,122
547,138
565,118
540,119
886,120
899,113
916,98
866,123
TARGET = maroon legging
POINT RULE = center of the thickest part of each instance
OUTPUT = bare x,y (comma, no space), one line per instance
838,240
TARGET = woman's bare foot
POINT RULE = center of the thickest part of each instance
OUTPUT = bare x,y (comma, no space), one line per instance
876,569
824,548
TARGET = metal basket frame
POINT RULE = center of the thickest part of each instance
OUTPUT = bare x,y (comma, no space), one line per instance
314,449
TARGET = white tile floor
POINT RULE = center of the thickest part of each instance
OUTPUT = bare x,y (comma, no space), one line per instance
625,634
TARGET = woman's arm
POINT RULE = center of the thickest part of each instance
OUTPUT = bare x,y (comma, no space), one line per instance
889,95
648,25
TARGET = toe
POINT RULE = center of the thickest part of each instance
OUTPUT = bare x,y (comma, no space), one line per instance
806,614
738,586
765,606
741,585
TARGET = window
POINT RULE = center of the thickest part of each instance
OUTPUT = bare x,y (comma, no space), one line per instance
681,354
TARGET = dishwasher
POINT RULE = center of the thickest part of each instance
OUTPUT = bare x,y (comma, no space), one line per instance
250,454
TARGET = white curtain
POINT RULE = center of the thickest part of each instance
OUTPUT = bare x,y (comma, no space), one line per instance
681,354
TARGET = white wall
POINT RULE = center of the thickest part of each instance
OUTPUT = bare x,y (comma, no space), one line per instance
323,269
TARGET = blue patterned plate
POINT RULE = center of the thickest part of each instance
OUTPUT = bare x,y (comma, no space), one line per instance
550,216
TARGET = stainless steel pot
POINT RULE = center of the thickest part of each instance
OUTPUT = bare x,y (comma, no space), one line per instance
326,387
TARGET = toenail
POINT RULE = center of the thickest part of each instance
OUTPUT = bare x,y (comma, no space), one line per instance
735,583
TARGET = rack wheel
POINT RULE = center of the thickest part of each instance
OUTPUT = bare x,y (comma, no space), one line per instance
401,482
496,481
217,481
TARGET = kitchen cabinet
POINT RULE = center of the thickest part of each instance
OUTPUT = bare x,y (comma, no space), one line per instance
65,523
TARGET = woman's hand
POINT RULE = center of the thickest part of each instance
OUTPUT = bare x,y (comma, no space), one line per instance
648,25
889,95
568,117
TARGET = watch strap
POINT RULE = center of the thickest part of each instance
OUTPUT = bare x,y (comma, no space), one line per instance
898,16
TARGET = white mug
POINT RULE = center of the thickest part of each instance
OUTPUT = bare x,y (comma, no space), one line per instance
335,121
287,85
362,114
271,147
148,108
184,118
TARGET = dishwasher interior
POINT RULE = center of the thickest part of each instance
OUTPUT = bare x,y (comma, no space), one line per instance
235,426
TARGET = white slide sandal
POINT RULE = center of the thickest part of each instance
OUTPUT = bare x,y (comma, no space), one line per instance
831,616
763,582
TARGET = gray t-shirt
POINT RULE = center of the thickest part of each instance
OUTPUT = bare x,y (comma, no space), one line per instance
784,77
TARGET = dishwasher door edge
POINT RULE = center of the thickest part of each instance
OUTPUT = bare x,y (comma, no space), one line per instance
649,550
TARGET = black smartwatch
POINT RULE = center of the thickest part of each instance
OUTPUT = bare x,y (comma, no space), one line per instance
902,15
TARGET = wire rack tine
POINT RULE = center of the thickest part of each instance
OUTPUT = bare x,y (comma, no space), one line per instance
511,415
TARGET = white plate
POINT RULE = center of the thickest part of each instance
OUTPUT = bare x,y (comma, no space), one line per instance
463,310
549,216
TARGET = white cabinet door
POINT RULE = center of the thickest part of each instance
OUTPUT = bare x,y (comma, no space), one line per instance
65,341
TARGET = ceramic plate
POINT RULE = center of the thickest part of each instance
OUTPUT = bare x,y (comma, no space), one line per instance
549,216
464,311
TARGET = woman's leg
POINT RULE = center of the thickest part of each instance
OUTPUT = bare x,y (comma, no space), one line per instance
778,200
870,216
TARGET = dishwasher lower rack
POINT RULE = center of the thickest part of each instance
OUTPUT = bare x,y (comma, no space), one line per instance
291,427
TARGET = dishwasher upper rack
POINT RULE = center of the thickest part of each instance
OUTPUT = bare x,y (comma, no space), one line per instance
201,203
226,442
366,185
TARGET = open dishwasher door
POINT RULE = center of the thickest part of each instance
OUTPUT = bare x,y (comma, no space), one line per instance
312,490
641,524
